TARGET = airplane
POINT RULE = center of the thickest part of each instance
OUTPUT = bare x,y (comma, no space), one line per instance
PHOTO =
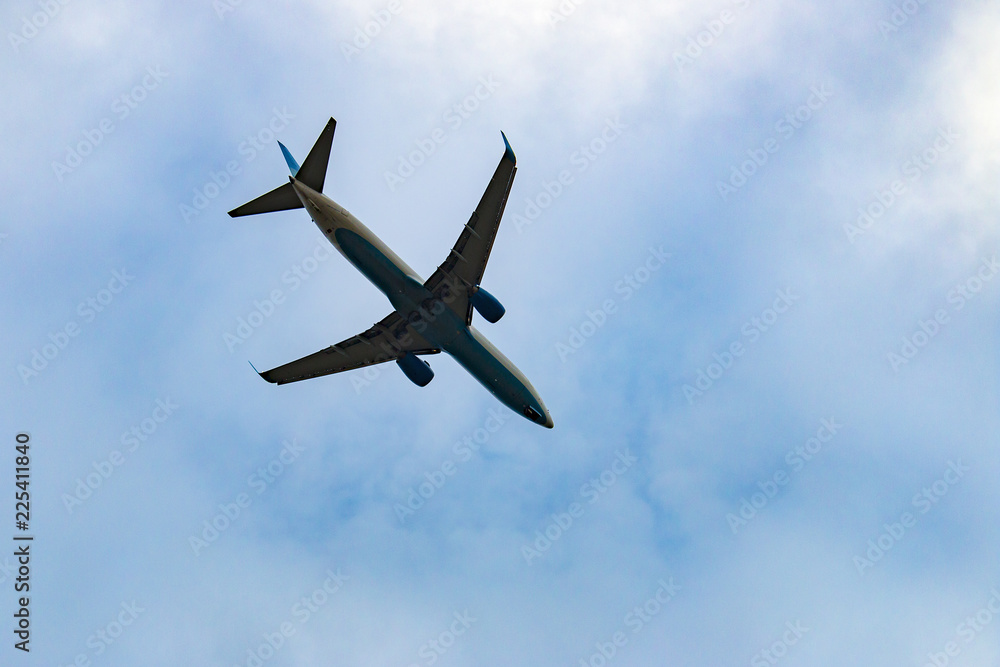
429,316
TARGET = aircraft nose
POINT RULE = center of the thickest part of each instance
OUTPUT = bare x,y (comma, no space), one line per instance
542,418
545,419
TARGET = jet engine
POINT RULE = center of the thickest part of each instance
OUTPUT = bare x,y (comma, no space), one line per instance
487,305
417,370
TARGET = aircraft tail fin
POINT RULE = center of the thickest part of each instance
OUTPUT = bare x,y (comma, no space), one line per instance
293,166
311,173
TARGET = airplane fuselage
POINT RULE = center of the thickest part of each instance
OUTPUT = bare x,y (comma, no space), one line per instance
442,327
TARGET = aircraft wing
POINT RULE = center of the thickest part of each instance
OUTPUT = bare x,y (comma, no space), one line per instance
463,269
388,340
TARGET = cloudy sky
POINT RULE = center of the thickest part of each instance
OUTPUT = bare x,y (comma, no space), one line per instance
749,261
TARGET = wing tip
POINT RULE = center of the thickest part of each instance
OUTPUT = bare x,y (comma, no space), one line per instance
262,375
509,153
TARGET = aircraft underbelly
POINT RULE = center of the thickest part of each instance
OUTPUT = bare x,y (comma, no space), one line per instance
441,327
489,367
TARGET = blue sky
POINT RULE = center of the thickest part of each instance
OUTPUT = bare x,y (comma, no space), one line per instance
776,446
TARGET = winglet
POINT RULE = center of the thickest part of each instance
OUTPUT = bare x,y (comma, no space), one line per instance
509,153
293,166
263,376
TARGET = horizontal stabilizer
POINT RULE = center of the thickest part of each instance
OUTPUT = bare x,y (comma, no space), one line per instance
280,199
